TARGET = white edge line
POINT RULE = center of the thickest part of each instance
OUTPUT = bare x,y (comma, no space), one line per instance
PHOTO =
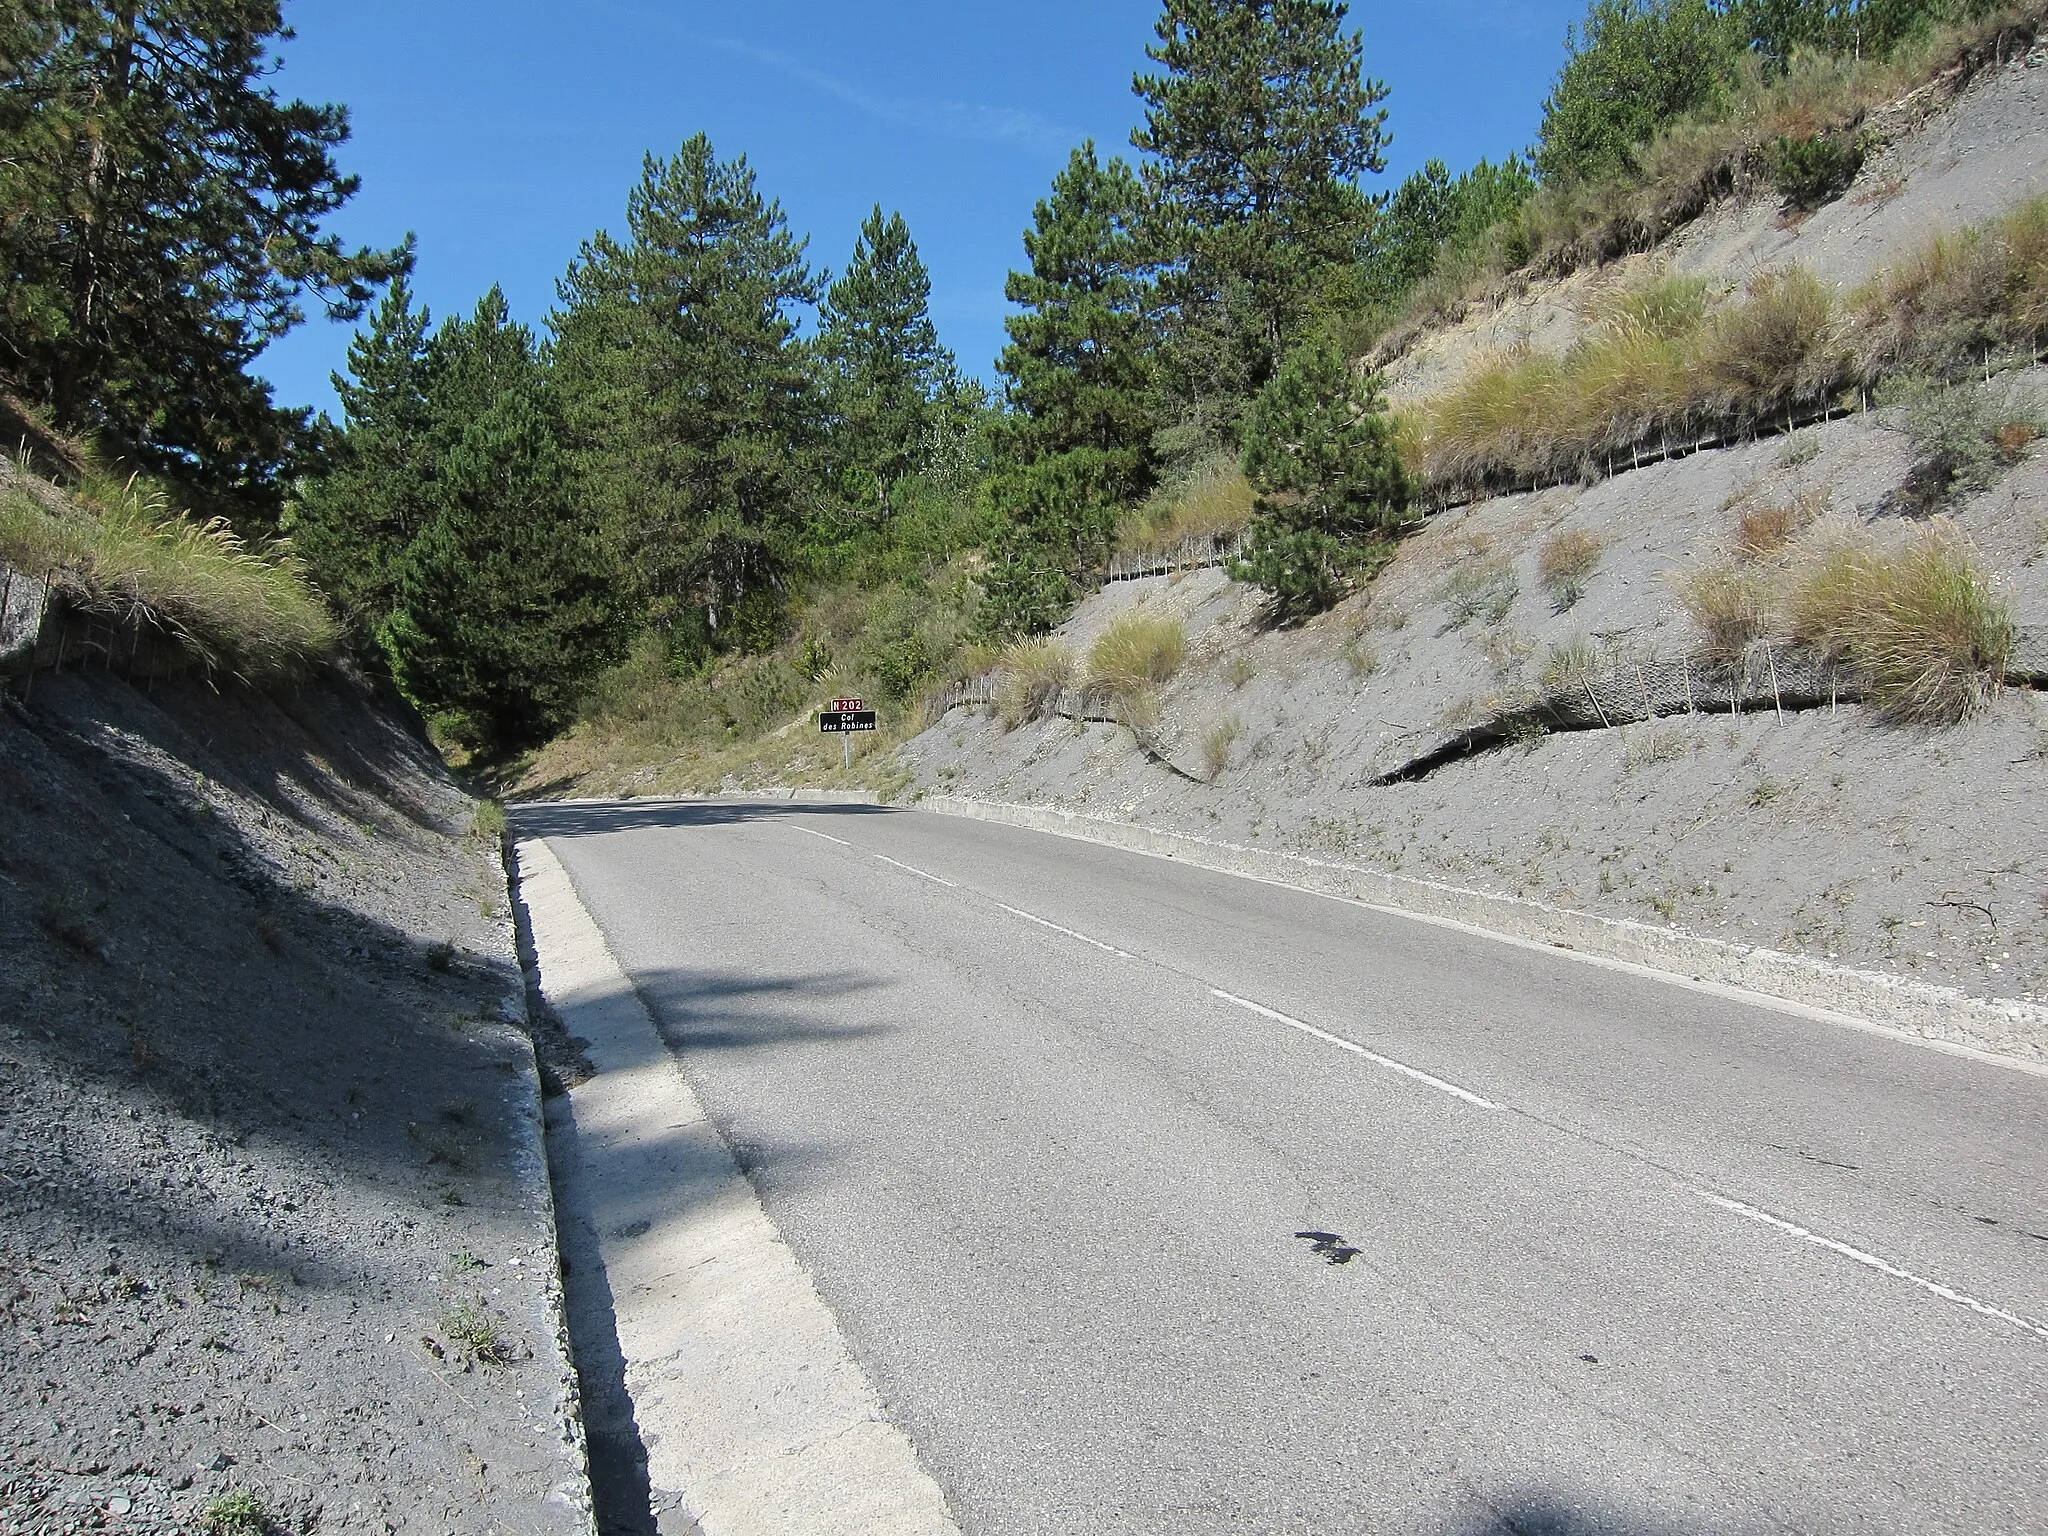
1358,1050
912,869
1872,1261
1729,991
842,842
1032,917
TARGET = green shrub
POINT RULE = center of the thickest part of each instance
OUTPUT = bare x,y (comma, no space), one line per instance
237,1513
1812,171
1481,589
1301,570
1960,436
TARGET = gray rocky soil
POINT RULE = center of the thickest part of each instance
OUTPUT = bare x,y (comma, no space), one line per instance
275,1242
1821,831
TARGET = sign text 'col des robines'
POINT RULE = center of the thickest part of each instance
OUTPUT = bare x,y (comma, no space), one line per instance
847,715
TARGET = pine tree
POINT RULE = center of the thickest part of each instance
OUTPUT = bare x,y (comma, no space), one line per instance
160,223
889,379
353,524
1257,129
1319,448
691,406
1078,366
502,608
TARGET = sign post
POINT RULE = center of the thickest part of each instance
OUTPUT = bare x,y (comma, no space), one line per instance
843,719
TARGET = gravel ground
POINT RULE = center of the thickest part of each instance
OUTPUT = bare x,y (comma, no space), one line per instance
1825,832
271,1228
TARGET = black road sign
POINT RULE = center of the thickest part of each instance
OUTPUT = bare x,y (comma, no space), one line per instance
835,722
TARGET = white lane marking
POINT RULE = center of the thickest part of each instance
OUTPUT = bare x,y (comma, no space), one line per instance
1872,1261
913,869
842,842
1357,1050
1032,917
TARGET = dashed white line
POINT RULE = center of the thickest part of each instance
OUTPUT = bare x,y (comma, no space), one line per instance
1032,917
913,869
842,842
1872,1261
1357,1050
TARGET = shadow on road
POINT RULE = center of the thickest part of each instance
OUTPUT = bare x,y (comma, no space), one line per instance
641,816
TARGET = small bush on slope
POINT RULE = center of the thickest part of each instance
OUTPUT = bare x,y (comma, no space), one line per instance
1033,675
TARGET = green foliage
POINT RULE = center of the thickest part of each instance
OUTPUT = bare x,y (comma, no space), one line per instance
1958,435
1319,447
161,216
1055,520
501,608
1634,66
691,410
888,379
1432,218
1078,365
1812,171
353,525
1258,126
1302,569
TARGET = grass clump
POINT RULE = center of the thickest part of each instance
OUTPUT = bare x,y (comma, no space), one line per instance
123,552
1217,742
477,1334
1731,606
1965,293
237,1513
1212,499
1130,661
1763,529
488,824
1918,622
1568,664
1564,564
1482,589
1034,673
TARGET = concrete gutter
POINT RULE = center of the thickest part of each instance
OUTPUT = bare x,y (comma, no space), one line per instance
2011,1034
756,1419
737,797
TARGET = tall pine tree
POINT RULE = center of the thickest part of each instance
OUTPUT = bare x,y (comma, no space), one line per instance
1078,365
691,407
1258,127
161,215
889,379
353,525
503,603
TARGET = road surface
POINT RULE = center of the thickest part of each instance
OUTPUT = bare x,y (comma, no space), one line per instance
1159,1200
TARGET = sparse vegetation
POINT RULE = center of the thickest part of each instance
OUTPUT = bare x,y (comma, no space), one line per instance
1967,292
1217,742
1484,588
473,1330
488,825
1033,674
237,1513
1918,622
1239,670
1567,665
1762,529
1961,435
1730,605
1564,565
122,552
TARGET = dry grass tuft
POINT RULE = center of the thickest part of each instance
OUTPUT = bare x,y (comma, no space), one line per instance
1034,675
1564,565
1129,662
1567,665
1963,294
1763,530
1917,621
1731,606
234,607
1217,742
1213,501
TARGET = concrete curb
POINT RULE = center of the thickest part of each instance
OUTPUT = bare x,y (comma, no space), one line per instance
753,1411
798,796
2012,1033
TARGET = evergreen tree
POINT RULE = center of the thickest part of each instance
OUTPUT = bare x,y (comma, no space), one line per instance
1078,365
1257,129
1319,448
1634,66
1432,216
889,379
160,223
502,608
691,407
353,525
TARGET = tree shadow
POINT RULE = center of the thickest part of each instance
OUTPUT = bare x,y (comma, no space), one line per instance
1547,1512
562,820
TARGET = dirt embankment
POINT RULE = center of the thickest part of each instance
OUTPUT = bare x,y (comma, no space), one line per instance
1398,732
275,1250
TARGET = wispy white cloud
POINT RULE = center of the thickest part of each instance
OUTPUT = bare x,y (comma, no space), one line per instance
948,119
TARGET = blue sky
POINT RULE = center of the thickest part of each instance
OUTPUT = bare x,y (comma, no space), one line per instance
505,131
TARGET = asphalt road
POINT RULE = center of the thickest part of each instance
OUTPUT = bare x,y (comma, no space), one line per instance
1156,1200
